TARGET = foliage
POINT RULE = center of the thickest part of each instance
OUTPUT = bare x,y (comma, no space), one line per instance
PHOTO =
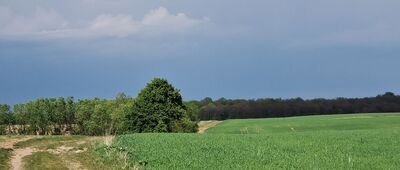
4,111
159,108
192,110
21,115
93,117
102,117
223,109
3,130
6,117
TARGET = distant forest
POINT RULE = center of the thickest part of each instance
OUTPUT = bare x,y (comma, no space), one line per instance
222,109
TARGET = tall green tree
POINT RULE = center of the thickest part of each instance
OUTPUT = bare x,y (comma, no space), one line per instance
6,117
158,108
118,110
84,111
193,110
39,118
21,117
69,112
4,109
57,114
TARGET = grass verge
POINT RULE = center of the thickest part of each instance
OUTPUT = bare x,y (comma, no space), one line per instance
43,161
4,158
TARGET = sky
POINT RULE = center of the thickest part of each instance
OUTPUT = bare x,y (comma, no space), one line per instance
232,49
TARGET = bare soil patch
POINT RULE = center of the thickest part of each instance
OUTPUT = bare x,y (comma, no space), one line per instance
65,149
17,155
71,152
204,125
11,141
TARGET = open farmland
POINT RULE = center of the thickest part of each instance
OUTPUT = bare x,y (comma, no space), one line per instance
199,85
353,141
343,122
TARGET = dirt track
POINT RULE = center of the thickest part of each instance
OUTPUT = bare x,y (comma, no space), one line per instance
204,125
17,154
9,143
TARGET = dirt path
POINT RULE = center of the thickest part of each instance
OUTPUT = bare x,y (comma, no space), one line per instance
65,152
9,143
18,154
204,125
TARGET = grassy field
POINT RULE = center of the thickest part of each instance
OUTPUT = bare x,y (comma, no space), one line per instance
4,157
44,161
368,121
5,154
353,141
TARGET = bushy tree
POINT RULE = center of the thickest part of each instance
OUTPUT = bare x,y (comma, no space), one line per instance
69,113
83,114
58,113
21,117
40,116
101,117
99,123
119,109
6,118
193,110
159,108
4,109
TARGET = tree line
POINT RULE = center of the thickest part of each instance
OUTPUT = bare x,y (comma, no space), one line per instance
157,108
222,108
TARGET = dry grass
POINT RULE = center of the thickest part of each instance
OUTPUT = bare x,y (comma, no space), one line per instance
4,158
44,161
49,152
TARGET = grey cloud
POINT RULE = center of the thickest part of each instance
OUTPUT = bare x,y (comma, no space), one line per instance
48,24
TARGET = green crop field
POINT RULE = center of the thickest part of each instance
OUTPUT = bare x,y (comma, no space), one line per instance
353,141
368,121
